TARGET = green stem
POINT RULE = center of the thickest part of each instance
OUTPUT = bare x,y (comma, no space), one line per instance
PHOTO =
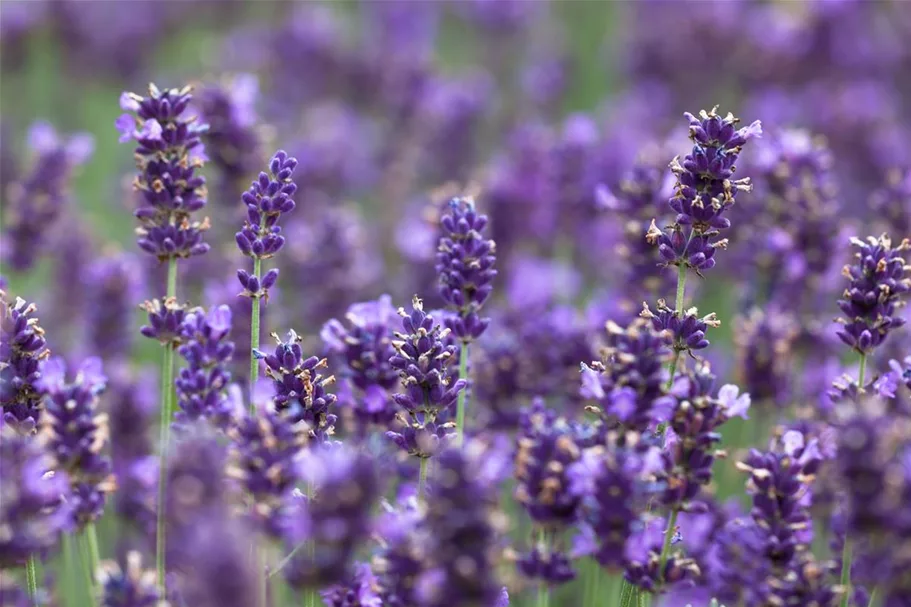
262,563
91,537
69,580
254,335
167,403
312,596
872,600
87,568
31,574
460,410
668,536
422,478
846,549
681,288
628,594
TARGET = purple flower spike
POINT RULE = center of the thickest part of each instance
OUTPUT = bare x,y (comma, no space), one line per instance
464,263
202,384
77,434
129,586
22,348
430,393
363,347
168,154
300,389
34,504
872,299
115,286
687,332
166,318
705,190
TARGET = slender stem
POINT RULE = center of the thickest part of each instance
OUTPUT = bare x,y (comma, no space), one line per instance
461,405
872,600
628,594
846,549
672,369
91,537
69,580
263,577
312,596
254,335
543,588
681,288
167,400
668,536
31,574
88,569
422,478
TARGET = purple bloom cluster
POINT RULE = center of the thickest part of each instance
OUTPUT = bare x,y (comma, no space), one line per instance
705,190
765,351
168,154
130,585
116,283
300,389
37,200
202,384
166,318
872,299
34,504
687,330
629,382
465,263
364,349
268,198
334,518
77,434
422,360
22,348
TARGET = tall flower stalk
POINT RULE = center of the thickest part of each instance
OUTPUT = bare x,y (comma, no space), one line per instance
267,199
871,304
168,154
464,263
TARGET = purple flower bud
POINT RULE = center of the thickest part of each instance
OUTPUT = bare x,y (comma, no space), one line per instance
22,348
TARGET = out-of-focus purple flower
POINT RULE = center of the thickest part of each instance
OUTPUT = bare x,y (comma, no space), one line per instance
465,262
168,154
765,351
166,318
422,360
686,329
336,518
22,348
405,551
892,203
736,568
231,140
114,287
35,202
300,389
705,190
629,381
201,385
34,505
643,562
14,594
77,434
196,485
264,459
364,349
536,283
220,292
876,284
130,585
461,535
362,590
269,197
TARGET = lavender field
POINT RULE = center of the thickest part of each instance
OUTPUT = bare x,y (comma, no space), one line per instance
455,303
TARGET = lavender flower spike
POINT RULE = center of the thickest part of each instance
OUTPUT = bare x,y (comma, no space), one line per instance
871,301
22,348
168,154
464,263
130,586
269,197
77,434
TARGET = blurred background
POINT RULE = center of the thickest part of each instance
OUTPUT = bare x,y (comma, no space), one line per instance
559,117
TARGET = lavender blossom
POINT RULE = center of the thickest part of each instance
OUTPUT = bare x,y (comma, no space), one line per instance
201,385
168,153
129,586
115,286
892,202
34,504
37,200
629,382
300,390
765,342
268,198
430,392
687,330
461,572
704,191
196,484
263,458
362,590
335,519
77,434
465,262
644,561
365,348
872,298
22,348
